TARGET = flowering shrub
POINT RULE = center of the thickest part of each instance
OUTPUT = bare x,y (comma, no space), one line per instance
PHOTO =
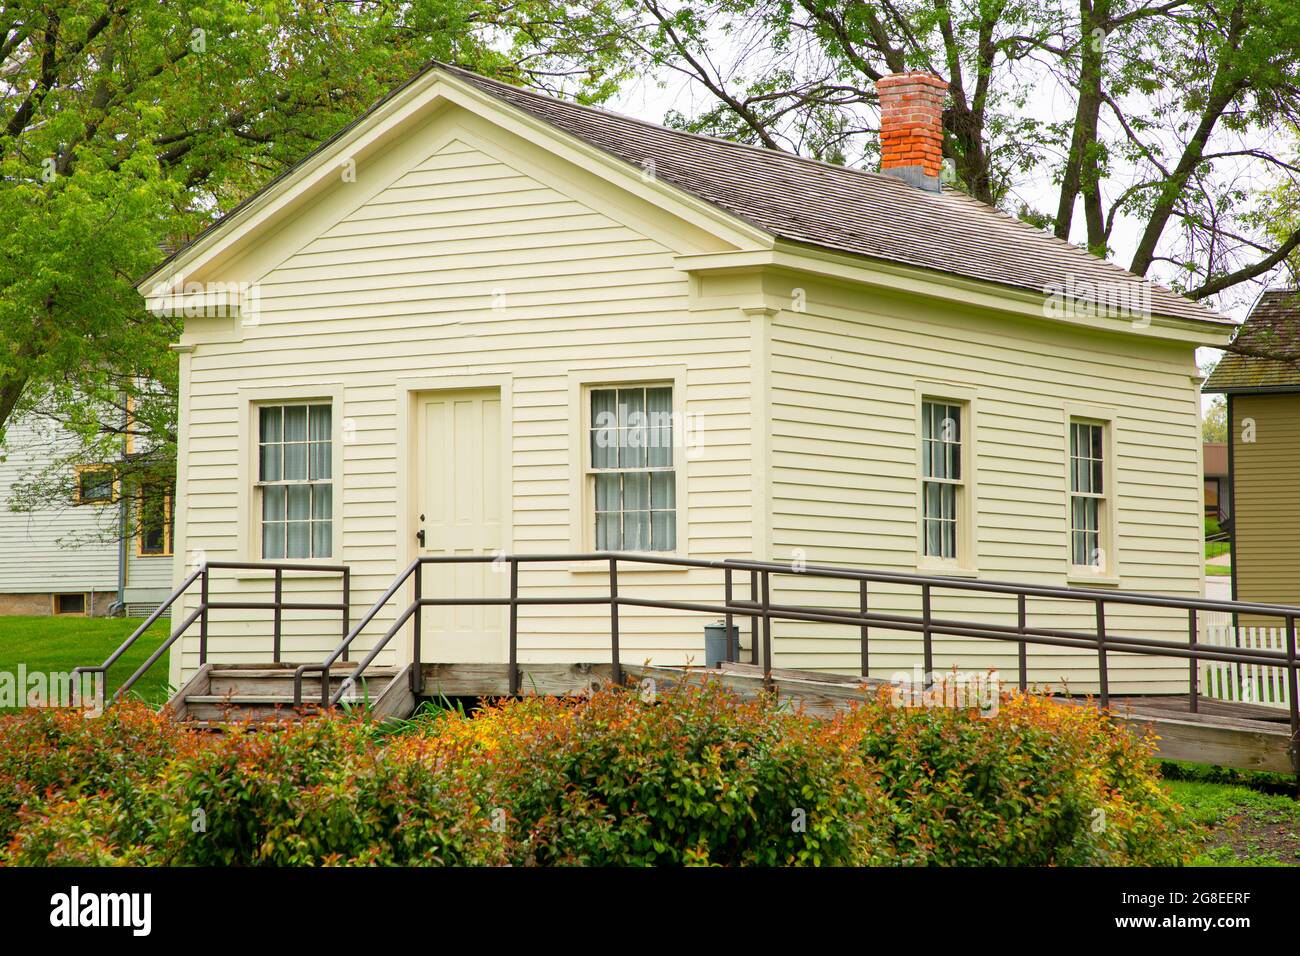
697,777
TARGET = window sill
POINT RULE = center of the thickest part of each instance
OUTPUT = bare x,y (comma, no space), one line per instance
627,566
1088,579
261,574
946,570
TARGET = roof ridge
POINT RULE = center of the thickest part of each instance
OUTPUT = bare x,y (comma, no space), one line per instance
760,150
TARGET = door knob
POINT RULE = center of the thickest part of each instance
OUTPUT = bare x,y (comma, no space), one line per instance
419,536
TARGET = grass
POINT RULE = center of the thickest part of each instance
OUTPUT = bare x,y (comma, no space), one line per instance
58,644
1249,819
1217,570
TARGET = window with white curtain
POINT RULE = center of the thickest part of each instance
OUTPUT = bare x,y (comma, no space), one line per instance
1087,493
295,481
632,474
943,482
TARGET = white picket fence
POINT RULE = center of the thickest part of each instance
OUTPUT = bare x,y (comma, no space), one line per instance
1245,683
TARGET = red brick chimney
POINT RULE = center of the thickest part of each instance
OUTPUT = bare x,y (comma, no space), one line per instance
911,127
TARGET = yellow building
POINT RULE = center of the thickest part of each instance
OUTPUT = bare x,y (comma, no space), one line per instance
1263,393
480,319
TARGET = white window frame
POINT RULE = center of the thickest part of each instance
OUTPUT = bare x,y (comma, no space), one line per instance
966,399
250,501
262,486
582,382
1107,571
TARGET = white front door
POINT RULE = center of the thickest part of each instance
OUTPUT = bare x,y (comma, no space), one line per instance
460,481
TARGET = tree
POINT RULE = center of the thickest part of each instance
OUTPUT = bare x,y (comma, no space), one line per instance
1214,426
1173,104
127,126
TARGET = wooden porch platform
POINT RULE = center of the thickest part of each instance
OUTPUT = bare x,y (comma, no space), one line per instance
1243,736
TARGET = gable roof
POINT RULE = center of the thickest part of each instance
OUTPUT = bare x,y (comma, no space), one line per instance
1272,326
820,204
872,214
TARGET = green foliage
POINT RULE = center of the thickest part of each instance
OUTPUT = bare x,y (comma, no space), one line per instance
319,793
698,777
1150,114
1214,426
1037,784
127,127
1278,784
695,777
49,756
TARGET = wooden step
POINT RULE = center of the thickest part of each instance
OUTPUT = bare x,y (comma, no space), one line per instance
274,680
230,694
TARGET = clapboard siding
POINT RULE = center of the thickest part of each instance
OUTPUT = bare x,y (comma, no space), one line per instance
148,577
463,250
844,472
1266,477
51,549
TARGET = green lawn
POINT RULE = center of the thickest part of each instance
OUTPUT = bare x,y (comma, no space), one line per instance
1249,819
58,644
1218,570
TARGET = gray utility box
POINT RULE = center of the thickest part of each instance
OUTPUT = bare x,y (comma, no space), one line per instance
715,642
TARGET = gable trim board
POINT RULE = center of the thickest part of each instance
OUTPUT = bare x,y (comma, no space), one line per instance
413,104
807,408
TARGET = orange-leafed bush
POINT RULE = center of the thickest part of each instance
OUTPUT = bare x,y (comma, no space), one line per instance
696,775
46,755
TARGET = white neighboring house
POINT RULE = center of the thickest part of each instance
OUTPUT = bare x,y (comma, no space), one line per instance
53,561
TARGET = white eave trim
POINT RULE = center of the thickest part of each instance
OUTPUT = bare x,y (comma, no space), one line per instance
209,301
957,289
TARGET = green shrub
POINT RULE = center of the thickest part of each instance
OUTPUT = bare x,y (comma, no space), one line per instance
1036,784
81,831
700,776
46,754
321,792
696,777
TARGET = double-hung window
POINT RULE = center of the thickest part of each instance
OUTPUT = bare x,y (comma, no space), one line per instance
632,473
942,479
154,514
1087,493
295,480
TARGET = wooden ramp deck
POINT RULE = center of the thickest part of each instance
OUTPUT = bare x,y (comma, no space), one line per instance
1242,736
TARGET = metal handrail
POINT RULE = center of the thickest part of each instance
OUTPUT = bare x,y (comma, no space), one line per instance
341,651
760,608
102,669
200,613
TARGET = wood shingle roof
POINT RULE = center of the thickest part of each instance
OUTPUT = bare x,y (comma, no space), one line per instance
1272,326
